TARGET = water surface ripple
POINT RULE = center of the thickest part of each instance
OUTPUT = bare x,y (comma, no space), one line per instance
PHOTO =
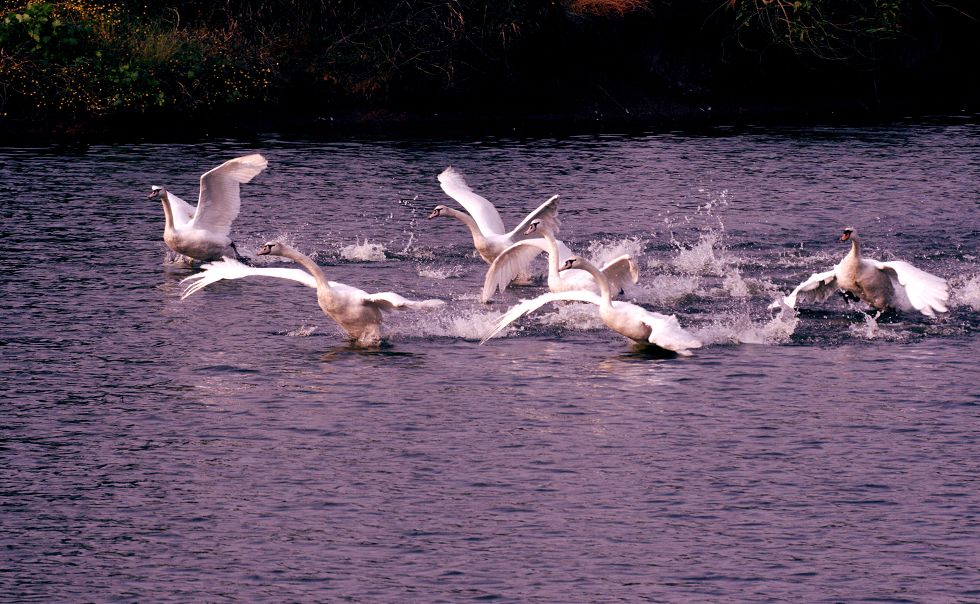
233,447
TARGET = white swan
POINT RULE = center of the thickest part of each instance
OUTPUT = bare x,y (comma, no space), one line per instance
201,233
357,312
618,272
634,322
484,223
883,285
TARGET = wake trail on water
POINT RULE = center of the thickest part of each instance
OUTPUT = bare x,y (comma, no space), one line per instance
719,295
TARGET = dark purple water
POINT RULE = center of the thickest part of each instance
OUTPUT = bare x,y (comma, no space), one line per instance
231,447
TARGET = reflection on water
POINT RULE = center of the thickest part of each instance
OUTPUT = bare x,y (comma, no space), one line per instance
234,446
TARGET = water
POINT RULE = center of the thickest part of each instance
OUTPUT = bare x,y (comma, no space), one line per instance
232,447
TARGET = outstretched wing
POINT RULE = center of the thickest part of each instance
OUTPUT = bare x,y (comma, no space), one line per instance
229,268
182,211
482,211
392,301
220,198
533,304
923,291
509,263
817,288
547,213
619,272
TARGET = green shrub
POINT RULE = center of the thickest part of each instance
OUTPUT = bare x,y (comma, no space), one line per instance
88,59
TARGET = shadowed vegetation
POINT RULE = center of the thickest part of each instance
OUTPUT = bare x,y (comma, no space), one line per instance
78,60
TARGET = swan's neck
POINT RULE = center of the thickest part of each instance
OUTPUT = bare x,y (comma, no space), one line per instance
855,254
322,285
479,241
552,254
168,215
600,278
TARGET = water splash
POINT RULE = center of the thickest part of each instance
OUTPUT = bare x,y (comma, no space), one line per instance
440,272
967,294
740,328
471,325
601,252
573,316
867,329
703,258
283,237
302,331
663,289
363,252
735,284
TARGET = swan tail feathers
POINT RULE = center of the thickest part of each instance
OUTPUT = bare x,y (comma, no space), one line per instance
666,332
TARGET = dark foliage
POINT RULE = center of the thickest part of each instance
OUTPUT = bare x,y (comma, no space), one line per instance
84,59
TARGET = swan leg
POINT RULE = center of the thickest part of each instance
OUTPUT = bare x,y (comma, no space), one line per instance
243,259
848,296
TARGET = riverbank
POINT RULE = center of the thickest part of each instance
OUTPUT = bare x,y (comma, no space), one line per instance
603,115
113,70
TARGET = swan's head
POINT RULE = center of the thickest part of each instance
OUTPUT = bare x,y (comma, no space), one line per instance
439,210
272,248
156,192
848,234
533,227
572,262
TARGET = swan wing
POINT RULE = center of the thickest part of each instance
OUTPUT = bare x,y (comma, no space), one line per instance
923,291
533,304
483,212
818,288
563,252
547,213
182,211
220,198
620,272
229,268
393,301
509,263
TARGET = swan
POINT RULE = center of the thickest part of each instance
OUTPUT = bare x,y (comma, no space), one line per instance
484,223
883,285
618,272
634,322
201,233
357,312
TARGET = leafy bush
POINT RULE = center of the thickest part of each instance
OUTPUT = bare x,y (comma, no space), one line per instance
86,58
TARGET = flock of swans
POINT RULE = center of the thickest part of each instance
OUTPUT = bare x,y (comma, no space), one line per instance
202,233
